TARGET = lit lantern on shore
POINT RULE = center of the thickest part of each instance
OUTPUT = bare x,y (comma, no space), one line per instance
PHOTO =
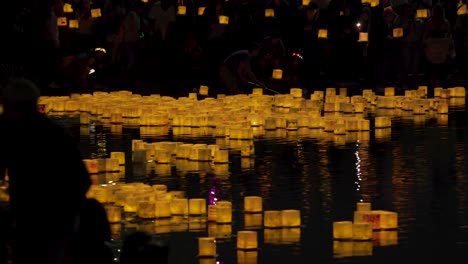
362,206
272,219
269,12
253,204
277,74
206,247
114,213
362,231
223,20
343,230
96,12
247,240
443,108
197,206
290,218
322,33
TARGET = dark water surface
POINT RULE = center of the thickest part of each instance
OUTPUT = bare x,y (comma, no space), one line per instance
418,171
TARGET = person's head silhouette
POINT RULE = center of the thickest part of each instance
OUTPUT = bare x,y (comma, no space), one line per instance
19,98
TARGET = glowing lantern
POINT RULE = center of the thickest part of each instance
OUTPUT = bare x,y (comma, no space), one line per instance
363,37
223,20
253,220
459,92
163,209
343,230
277,74
201,10
374,3
342,249
257,91
290,218
206,247
398,32
223,212
211,215
389,91
197,206
74,23
96,12
181,10
272,219
247,240
422,13
343,92
305,2
114,213
362,231
462,10
221,156
112,165
61,21
120,156
359,107
438,91
378,218
330,92
253,204
200,154
116,118
203,90
179,206
362,206
296,92
323,33
383,122
67,8
146,210
269,12
443,108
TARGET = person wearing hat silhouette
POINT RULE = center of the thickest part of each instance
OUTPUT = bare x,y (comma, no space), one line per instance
47,178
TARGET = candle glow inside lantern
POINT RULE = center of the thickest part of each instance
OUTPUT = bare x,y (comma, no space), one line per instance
61,21
206,247
197,206
269,12
253,204
323,33
343,230
362,231
247,240
296,92
211,213
67,8
179,206
96,12
363,37
163,209
74,23
272,219
146,210
422,13
277,74
201,10
378,218
223,212
398,32
181,10
114,213
203,90
221,156
290,218
223,20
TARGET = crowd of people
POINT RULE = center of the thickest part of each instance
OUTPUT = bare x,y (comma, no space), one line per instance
173,47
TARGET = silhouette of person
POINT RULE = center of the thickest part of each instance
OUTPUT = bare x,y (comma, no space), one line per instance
47,178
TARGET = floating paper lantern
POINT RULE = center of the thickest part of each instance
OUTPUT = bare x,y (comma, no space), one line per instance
163,209
114,213
422,13
305,2
398,32
462,10
67,8
322,33
253,220
257,91
247,257
96,12
383,122
459,92
206,247
342,249
272,236
211,213
296,92
378,218
269,12
272,219
343,230
120,156
343,92
223,20
363,37
443,108
203,90
385,238
116,118
146,210
200,154
179,206
223,212
247,240
253,204
362,206
374,3
362,231
221,156
290,218
197,206
201,10
61,21
277,74
389,91
74,23
362,248
181,10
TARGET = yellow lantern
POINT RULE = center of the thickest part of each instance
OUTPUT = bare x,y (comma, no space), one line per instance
95,12
374,3
383,122
67,8
422,13
146,210
223,212
362,248
203,90
323,33
378,218
385,238
253,221
114,213
277,74
363,37
272,236
342,249
269,12
462,10
179,206
197,206
223,231
290,235
389,91
247,240
223,20
61,21
181,10
206,247
365,2
296,92
163,209
253,204
257,91
290,218
211,213
398,32
362,231
272,219
362,206
201,10
343,230
221,156
119,156
305,2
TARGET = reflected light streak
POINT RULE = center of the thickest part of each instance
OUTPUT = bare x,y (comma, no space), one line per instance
358,170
